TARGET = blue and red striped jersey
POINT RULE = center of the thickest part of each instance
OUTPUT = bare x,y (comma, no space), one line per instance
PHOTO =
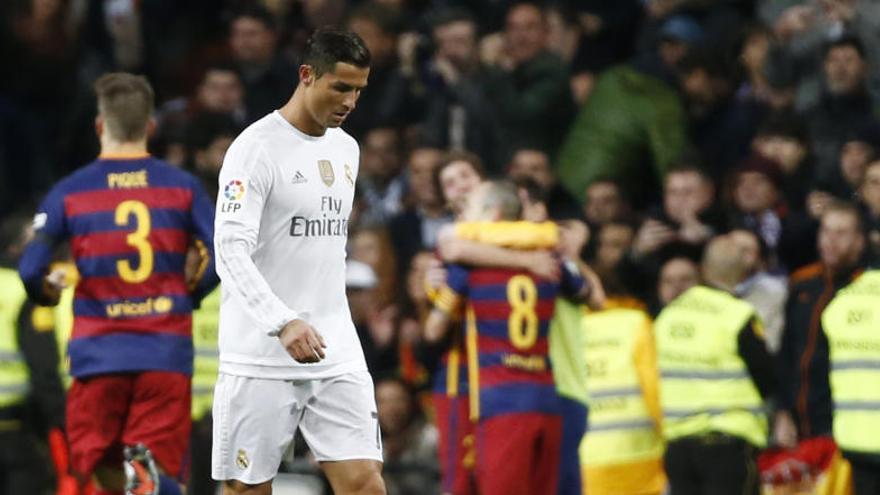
508,315
130,222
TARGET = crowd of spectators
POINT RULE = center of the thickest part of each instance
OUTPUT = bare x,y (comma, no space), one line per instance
660,123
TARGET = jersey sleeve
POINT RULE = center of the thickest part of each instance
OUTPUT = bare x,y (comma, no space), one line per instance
50,229
245,183
450,296
202,213
571,282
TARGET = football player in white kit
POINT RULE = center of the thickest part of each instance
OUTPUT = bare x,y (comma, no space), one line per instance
289,354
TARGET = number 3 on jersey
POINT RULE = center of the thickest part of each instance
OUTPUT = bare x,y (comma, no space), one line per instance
522,325
137,240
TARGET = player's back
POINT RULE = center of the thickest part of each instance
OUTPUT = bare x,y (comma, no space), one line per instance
508,321
130,222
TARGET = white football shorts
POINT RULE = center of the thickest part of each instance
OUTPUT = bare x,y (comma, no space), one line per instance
255,420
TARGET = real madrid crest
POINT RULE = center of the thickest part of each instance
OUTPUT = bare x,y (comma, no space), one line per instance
325,168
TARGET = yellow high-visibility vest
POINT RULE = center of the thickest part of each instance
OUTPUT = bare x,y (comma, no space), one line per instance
620,429
704,384
207,360
14,373
852,323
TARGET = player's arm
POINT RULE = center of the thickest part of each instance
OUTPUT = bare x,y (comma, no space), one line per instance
447,303
203,277
453,249
50,229
236,228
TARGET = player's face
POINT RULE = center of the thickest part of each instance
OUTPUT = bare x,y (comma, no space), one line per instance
474,209
331,97
456,180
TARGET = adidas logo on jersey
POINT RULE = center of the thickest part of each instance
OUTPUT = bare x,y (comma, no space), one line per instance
299,178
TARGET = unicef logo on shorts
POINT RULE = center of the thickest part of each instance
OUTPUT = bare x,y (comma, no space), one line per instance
234,191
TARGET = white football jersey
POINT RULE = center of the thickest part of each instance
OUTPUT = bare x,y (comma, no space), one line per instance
280,235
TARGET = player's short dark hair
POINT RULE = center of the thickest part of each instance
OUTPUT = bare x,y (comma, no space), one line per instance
125,101
327,46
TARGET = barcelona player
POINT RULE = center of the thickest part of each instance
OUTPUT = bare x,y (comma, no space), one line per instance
130,220
512,395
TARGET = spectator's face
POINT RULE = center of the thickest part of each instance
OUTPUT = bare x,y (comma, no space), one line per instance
457,43
754,193
787,152
676,276
457,180
844,70
532,164
332,96
251,41
221,91
686,195
381,153
750,248
209,160
870,190
525,33
614,241
394,407
840,240
854,158
697,85
672,51
422,163
380,43
754,52
604,203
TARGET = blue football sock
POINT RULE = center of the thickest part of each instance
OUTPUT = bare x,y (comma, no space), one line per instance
168,486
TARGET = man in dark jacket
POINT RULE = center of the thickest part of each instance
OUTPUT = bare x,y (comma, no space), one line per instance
803,357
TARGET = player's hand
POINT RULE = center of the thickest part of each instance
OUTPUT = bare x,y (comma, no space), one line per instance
543,264
302,342
57,280
191,266
435,275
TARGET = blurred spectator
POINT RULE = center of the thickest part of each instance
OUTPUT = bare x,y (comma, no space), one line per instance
605,202
416,228
267,77
528,87
721,128
409,443
760,89
758,205
210,135
677,274
766,292
376,336
458,114
221,91
613,241
844,107
783,138
379,176
869,194
535,164
860,147
803,357
371,245
388,99
688,215
634,124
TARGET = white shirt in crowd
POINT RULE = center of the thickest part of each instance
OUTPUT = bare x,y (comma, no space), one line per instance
280,234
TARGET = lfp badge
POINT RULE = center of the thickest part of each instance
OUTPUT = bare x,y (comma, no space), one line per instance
234,191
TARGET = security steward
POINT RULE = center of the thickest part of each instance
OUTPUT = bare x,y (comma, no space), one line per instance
717,383
31,393
852,324
622,452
